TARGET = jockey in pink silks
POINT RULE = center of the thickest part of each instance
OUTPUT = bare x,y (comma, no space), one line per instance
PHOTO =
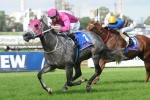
68,23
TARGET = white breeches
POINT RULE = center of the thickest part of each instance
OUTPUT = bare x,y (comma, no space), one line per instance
75,26
127,29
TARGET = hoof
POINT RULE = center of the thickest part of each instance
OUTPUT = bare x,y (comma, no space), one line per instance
88,88
84,79
49,91
64,89
79,82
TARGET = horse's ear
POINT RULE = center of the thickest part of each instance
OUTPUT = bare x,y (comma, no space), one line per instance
35,17
92,20
41,19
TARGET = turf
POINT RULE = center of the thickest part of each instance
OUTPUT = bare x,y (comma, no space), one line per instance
114,84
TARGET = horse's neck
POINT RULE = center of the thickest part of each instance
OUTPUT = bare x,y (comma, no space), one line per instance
53,41
48,41
112,39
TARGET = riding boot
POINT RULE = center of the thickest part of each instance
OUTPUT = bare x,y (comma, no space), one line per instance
130,42
125,34
74,39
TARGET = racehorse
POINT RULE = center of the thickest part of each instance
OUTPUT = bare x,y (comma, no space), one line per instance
59,52
112,39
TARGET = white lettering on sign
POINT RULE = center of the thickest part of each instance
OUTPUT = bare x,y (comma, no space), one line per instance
12,39
7,61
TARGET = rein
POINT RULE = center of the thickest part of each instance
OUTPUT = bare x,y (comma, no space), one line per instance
107,36
56,48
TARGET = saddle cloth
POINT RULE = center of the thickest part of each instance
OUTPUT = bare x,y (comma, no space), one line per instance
83,39
132,47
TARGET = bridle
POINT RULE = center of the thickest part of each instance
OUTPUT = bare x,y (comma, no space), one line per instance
56,46
48,29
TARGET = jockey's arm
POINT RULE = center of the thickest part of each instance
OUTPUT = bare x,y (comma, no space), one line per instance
57,28
66,26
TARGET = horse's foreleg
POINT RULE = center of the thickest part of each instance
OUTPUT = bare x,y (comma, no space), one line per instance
45,69
69,73
70,79
78,73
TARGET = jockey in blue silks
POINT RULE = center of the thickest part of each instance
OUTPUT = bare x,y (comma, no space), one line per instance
122,26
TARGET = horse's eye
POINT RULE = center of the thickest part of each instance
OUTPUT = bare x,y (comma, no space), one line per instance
36,25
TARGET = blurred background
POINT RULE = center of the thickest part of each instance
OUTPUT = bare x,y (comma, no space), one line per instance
16,14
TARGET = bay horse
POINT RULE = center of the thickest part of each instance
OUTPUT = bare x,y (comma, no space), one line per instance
112,39
59,52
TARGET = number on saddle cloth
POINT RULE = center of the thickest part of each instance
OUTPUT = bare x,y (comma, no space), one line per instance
83,39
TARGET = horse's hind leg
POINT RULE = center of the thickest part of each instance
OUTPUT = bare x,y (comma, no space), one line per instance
45,69
97,73
102,65
147,67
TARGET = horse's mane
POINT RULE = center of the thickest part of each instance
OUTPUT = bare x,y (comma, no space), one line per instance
98,25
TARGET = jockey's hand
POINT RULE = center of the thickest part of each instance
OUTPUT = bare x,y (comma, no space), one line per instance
55,28
104,25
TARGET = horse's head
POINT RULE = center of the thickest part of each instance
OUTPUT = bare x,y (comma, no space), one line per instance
34,30
95,27
90,25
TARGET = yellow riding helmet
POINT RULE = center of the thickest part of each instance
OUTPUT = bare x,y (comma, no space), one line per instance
112,20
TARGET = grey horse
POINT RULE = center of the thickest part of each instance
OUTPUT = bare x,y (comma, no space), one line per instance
59,52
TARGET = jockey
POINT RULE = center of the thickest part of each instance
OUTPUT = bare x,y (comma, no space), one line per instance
68,23
122,26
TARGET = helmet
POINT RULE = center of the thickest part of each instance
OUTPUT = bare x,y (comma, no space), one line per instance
112,20
52,13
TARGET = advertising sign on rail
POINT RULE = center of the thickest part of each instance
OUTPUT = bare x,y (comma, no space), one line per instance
136,62
21,61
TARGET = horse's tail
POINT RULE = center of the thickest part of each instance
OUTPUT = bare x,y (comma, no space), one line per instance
115,54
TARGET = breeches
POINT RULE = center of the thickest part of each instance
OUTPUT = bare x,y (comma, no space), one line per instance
127,29
74,26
